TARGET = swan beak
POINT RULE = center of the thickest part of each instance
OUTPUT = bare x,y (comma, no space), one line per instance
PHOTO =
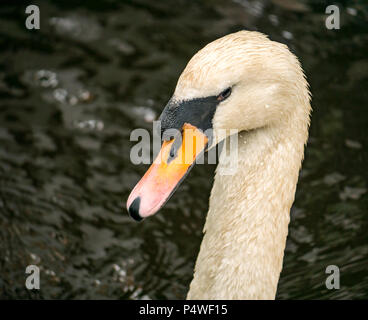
169,169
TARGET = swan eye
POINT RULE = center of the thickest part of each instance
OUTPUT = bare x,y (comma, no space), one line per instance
224,94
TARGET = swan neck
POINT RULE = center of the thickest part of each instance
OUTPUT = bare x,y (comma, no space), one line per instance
247,223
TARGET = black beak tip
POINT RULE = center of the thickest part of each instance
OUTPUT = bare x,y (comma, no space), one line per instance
134,209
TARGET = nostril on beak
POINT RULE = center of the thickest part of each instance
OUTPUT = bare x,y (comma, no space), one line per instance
134,209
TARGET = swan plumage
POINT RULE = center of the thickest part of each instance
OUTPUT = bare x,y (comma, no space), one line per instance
247,222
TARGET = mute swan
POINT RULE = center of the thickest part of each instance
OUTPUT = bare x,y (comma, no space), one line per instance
248,82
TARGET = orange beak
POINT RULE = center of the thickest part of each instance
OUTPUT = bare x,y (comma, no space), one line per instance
172,164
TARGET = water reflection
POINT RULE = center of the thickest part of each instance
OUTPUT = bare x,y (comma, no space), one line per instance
72,92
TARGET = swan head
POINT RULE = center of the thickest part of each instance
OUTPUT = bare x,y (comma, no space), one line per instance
242,81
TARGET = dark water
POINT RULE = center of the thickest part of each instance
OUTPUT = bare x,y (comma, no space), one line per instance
70,94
